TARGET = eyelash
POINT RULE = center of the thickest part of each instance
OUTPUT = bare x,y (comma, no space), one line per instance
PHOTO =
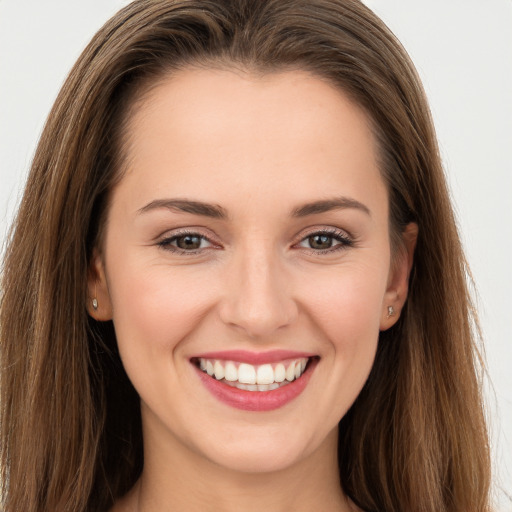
335,234
165,243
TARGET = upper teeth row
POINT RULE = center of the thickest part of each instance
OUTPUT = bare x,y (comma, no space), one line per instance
249,374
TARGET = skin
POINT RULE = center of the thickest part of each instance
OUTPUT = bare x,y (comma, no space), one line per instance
260,148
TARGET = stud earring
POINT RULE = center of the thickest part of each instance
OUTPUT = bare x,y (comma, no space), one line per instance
391,311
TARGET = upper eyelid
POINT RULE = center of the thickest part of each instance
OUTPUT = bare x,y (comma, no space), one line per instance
165,242
195,231
331,230
199,231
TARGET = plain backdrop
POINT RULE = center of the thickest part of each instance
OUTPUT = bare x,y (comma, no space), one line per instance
463,51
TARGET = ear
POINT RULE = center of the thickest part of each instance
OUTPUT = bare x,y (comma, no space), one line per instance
398,281
99,305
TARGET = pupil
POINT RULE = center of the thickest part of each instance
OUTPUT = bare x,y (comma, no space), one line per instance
320,241
188,242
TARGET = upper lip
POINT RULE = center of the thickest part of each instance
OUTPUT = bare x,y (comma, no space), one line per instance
254,358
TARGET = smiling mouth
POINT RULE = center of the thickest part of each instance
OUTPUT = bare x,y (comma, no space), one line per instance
249,377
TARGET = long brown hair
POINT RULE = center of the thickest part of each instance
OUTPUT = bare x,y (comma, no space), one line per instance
71,440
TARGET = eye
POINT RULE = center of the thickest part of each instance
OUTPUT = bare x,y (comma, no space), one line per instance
189,242
185,243
320,241
326,241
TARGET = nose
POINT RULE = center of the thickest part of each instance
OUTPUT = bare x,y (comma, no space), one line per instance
258,298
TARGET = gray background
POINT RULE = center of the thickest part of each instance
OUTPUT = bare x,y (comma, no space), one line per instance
463,51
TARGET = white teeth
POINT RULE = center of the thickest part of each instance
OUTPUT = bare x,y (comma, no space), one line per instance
280,373
265,377
290,372
219,370
246,374
231,373
265,374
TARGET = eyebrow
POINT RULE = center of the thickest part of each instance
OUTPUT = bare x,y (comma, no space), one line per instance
187,206
218,212
328,205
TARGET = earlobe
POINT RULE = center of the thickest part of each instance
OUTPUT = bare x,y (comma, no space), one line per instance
99,305
398,283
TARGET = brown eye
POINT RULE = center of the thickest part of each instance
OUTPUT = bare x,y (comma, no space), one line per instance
326,241
188,242
320,241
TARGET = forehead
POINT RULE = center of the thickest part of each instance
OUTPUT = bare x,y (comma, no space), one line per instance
205,127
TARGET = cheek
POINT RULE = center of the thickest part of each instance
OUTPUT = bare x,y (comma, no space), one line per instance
348,316
351,320
156,307
349,304
155,310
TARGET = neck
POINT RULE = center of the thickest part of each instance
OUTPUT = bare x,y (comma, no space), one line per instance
177,478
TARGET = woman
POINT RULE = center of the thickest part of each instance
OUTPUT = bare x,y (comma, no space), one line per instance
229,253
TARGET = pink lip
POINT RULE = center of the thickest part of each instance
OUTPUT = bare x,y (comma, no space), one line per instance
256,400
244,356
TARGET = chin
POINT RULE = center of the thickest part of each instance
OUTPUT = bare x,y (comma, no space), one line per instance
257,458
265,450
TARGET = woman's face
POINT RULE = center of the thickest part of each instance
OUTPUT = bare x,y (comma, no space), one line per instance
248,237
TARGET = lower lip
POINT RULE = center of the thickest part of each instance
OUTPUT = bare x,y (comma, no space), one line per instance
257,400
